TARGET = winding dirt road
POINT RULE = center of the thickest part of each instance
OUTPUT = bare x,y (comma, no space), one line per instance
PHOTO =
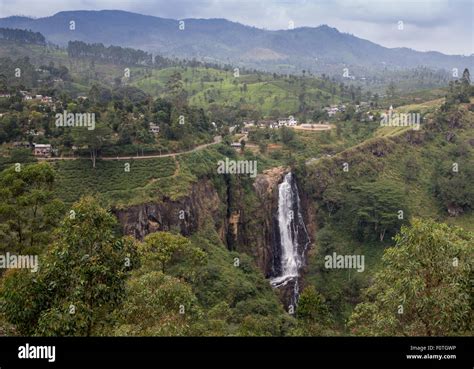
217,139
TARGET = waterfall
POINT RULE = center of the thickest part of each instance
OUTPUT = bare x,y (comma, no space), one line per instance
293,238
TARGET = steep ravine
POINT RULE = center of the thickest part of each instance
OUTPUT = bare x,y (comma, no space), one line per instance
245,216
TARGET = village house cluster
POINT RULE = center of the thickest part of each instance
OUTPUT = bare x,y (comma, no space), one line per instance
363,106
27,96
268,123
39,150
334,109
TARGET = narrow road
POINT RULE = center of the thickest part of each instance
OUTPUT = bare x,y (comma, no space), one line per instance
217,139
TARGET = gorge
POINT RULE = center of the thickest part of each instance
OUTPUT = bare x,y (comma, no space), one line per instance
273,231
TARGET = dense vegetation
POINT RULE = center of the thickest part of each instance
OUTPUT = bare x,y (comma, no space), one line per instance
113,54
389,180
20,35
382,192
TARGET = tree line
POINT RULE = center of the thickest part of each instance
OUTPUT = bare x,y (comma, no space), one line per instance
26,36
113,54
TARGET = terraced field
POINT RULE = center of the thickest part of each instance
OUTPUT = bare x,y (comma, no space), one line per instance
111,180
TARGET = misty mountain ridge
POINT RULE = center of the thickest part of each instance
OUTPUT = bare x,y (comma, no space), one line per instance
320,49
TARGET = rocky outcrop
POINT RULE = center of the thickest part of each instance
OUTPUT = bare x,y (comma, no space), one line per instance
186,215
266,182
266,189
455,210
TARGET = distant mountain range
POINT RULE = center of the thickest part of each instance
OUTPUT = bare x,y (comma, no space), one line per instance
321,50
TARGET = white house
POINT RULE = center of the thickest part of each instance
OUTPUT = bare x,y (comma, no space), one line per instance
289,122
26,95
154,128
266,123
42,150
332,110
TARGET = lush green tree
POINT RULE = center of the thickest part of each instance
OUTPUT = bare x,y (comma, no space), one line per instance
254,325
165,247
80,280
94,139
157,305
127,132
311,306
28,208
217,322
349,113
28,78
9,128
286,135
423,287
175,89
333,197
312,313
460,91
452,182
100,95
466,88
376,208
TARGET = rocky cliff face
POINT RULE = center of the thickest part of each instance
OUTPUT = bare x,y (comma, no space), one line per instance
242,225
185,215
266,233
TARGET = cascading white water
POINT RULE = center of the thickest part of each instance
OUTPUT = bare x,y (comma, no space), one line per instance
290,223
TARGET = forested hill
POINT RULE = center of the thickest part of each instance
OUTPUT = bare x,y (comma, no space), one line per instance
19,35
322,49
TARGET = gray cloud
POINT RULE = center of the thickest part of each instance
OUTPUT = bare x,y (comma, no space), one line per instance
440,25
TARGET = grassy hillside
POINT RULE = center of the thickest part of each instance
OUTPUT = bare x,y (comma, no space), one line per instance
213,89
406,162
260,92
172,176
109,179
205,86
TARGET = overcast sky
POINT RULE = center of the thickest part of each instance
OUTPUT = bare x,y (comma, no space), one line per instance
440,25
